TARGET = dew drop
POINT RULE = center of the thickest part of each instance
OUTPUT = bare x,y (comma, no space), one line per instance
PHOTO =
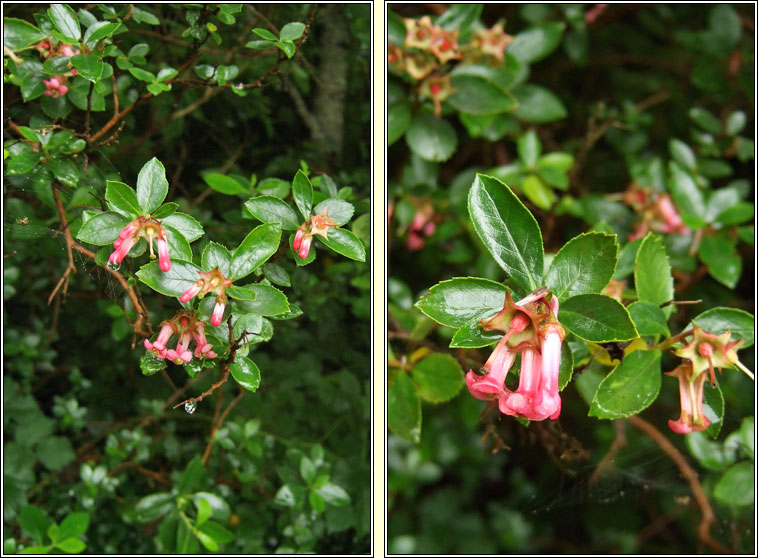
190,407
113,266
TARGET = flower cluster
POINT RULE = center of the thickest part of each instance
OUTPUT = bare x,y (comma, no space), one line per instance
186,327
531,330
210,282
428,47
657,213
421,227
317,225
55,86
142,227
705,352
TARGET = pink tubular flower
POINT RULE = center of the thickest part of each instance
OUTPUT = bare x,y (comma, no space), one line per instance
147,228
159,347
691,418
55,87
532,330
218,312
210,282
305,247
121,250
164,262
202,348
298,239
187,327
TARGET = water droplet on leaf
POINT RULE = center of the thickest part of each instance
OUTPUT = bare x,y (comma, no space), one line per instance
190,407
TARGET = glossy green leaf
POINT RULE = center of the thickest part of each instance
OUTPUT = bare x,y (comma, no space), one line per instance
538,105
685,192
333,494
597,318
432,139
741,212
652,273
345,243
23,163
508,230
566,369
395,29
398,120
89,66
404,408
122,199
536,43
178,246
721,200
460,17
270,209
276,274
165,210
537,192
258,246
216,256
477,90
630,387
339,211
35,522
65,170
585,264
264,300
224,184
99,31
471,336
102,229
292,31
71,545
682,154
152,185
174,282
55,452
302,191
153,506
455,302
737,486
648,318
246,373
706,120
151,364
19,34
529,148
74,525
723,261
735,123
185,224
438,376
627,255
720,319
709,454
713,408
65,21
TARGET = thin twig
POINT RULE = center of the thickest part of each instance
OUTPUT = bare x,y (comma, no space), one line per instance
70,268
690,476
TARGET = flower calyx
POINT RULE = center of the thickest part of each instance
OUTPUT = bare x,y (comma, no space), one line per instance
316,225
145,227
210,282
708,351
